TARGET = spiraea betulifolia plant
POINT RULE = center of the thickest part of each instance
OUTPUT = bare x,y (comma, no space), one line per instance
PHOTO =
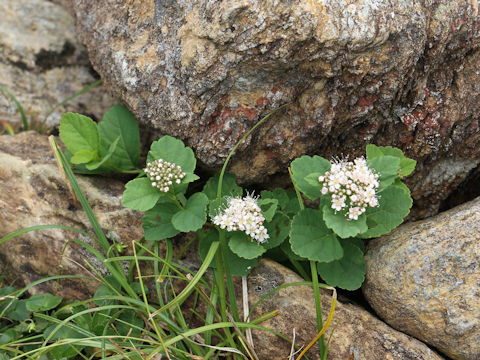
355,200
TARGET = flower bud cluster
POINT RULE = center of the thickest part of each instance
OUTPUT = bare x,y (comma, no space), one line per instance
164,174
353,187
244,215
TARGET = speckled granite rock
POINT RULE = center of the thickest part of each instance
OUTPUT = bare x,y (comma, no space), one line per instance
358,335
424,279
402,73
34,193
42,64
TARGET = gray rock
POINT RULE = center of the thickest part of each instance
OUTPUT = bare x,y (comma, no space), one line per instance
35,193
42,64
401,73
358,334
424,279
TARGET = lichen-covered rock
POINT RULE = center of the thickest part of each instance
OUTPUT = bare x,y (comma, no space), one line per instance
401,73
358,334
424,279
42,64
34,192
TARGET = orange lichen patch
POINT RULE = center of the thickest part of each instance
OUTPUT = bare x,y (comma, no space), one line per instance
239,112
367,100
419,114
430,123
269,154
409,120
250,114
262,101
457,24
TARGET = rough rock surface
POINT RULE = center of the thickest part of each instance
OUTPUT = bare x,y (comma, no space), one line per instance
424,279
35,193
401,73
42,64
358,335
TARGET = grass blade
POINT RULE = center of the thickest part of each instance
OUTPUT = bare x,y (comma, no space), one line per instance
83,91
115,268
18,105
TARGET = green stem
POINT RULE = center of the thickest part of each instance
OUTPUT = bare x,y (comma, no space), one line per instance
224,168
122,171
181,198
230,287
318,306
313,269
297,266
221,269
175,200
220,278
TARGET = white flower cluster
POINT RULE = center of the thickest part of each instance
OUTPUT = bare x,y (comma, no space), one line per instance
244,215
352,185
164,174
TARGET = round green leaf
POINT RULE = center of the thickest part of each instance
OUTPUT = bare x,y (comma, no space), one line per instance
304,166
406,165
238,266
287,200
357,242
286,248
7,336
394,204
194,215
140,195
341,225
242,245
83,156
174,151
279,194
18,310
111,150
310,238
348,272
157,222
79,132
387,167
312,179
277,230
120,123
268,208
42,302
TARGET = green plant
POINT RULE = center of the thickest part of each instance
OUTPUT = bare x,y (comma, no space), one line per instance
122,320
357,200
112,145
234,229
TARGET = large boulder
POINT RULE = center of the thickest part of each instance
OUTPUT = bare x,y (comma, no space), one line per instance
401,73
34,192
358,334
424,280
42,64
